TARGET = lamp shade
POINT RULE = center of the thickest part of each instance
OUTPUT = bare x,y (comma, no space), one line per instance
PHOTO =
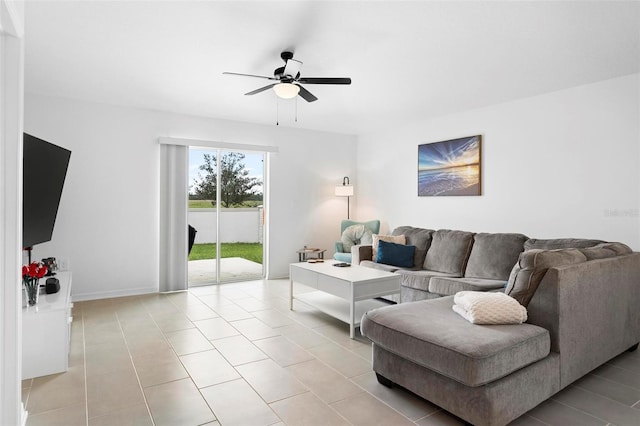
344,190
286,90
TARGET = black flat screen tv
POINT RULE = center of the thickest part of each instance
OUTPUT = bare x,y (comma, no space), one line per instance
44,171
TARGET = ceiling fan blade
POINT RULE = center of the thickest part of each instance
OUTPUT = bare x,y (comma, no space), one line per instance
306,95
262,89
249,75
292,68
325,80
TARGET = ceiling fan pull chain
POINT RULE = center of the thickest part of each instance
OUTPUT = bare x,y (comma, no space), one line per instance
296,109
277,112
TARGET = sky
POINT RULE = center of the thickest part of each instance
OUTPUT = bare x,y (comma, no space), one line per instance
252,161
452,153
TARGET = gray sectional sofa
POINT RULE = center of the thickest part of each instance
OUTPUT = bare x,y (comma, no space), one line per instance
448,261
583,303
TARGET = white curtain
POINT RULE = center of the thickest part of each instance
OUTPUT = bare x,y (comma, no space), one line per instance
174,164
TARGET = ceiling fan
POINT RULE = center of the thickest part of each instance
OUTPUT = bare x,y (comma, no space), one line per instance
288,81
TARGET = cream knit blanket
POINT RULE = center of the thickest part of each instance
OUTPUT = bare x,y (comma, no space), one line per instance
480,307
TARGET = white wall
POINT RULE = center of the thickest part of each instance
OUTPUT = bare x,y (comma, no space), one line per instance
564,164
236,225
107,225
11,121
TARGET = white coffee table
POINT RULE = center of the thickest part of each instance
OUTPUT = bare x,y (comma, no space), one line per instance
343,293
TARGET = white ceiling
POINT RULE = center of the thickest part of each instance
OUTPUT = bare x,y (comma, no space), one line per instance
407,60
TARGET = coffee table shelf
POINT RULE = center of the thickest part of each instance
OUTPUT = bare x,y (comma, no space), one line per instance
337,307
343,293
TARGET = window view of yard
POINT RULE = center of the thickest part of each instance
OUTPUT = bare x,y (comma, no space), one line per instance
239,221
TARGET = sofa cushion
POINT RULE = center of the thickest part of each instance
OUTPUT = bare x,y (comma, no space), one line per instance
418,237
532,266
445,286
605,250
429,333
395,254
419,279
449,251
597,252
619,248
398,239
493,255
559,243
408,294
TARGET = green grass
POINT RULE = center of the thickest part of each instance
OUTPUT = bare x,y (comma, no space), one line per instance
200,204
249,251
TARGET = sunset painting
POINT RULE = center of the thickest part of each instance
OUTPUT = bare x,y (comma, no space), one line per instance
450,167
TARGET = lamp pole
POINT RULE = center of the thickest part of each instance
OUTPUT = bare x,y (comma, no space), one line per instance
345,190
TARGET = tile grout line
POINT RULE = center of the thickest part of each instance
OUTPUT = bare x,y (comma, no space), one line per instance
576,385
217,419
600,395
135,370
573,408
284,368
314,358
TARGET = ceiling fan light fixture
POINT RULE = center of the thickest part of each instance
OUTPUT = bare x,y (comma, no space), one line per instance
286,90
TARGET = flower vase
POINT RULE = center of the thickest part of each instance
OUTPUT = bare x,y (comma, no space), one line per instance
32,286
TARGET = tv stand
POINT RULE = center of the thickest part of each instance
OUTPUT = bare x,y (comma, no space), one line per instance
46,332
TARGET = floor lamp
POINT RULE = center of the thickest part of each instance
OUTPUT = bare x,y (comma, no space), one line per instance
345,190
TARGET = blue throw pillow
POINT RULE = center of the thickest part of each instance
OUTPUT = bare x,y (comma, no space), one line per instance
395,254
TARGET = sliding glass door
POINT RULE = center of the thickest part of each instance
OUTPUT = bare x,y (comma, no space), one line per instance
226,220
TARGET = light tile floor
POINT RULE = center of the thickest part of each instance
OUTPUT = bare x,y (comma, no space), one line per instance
235,354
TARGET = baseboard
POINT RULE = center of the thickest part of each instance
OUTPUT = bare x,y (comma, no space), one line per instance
81,297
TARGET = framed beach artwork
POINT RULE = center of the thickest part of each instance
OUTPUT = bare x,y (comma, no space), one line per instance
450,167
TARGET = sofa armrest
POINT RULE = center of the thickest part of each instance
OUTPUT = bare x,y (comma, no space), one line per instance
592,312
361,252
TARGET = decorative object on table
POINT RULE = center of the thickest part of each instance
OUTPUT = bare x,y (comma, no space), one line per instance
342,252
31,275
450,167
345,190
51,264
52,285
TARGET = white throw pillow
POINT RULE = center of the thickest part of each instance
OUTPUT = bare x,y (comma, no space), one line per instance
355,234
398,239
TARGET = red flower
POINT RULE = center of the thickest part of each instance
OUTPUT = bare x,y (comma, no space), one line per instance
34,270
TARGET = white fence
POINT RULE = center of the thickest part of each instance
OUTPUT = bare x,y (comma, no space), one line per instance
236,225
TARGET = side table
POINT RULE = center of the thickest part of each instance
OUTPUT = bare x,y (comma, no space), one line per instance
305,254
46,332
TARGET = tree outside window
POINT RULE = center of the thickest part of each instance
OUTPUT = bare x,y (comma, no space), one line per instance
237,189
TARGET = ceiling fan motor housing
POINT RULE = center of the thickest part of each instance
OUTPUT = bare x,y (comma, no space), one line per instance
286,56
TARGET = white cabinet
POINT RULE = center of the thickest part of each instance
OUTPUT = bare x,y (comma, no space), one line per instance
46,331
